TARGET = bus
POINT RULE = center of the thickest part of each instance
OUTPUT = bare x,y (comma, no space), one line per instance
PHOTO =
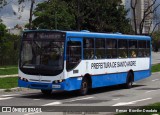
68,60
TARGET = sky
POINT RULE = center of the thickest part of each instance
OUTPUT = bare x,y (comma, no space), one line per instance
13,13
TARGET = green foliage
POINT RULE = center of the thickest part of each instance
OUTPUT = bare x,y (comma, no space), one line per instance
93,15
9,49
156,39
105,16
2,29
53,14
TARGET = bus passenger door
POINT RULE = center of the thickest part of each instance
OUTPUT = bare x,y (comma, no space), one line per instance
74,55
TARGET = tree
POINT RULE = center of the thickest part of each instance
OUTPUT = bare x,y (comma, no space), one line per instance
99,16
156,40
53,14
2,29
8,52
31,11
2,3
107,16
149,10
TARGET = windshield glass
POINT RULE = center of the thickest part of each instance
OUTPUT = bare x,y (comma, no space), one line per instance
42,56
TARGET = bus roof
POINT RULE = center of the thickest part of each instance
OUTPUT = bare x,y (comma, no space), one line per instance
106,35
88,34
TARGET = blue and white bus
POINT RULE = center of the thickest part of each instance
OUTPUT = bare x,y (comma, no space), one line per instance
67,60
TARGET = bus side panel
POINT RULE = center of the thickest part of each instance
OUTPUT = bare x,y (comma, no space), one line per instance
108,80
72,83
138,75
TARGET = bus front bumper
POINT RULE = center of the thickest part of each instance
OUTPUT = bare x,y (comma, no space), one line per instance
68,85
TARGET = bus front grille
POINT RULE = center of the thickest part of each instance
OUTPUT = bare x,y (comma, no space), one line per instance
40,80
39,86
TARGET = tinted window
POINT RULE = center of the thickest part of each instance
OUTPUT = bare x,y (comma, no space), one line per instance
100,48
88,46
111,48
142,52
73,54
133,48
122,49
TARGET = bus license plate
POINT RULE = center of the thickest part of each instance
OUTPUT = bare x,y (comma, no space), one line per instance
56,86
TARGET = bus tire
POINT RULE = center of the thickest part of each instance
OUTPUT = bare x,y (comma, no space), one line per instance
129,81
46,92
84,86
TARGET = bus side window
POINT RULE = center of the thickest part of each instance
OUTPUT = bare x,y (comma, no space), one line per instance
142,48
122,49
73,55
88,48
133,48
100,48
111,48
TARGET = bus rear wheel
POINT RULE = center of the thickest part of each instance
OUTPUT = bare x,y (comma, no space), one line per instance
84,87
129,81
46,92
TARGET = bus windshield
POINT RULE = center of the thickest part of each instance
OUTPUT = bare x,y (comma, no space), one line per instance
42,56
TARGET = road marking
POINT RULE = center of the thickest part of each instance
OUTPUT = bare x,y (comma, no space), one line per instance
36,99
129,103
6,98
155,80
32,113
53,103
81,99
57,102
116,99
150,91
10,95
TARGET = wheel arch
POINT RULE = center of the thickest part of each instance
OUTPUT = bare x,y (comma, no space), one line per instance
128,75
89,79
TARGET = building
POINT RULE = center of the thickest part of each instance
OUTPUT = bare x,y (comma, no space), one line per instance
141,7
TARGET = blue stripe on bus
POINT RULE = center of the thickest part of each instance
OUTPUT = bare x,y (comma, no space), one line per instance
119,78
97,81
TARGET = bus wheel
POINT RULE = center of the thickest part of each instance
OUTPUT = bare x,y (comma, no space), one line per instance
129,81
84,87
46,92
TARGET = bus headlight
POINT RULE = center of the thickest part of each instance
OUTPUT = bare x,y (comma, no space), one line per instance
58,81
24,79
20,78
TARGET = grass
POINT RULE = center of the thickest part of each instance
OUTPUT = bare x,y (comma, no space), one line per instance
155,106
9,82
8,70
156,68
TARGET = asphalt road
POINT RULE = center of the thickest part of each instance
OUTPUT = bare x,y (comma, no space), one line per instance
144,92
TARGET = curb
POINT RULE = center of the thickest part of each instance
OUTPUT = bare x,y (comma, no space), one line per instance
155,73
10,89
